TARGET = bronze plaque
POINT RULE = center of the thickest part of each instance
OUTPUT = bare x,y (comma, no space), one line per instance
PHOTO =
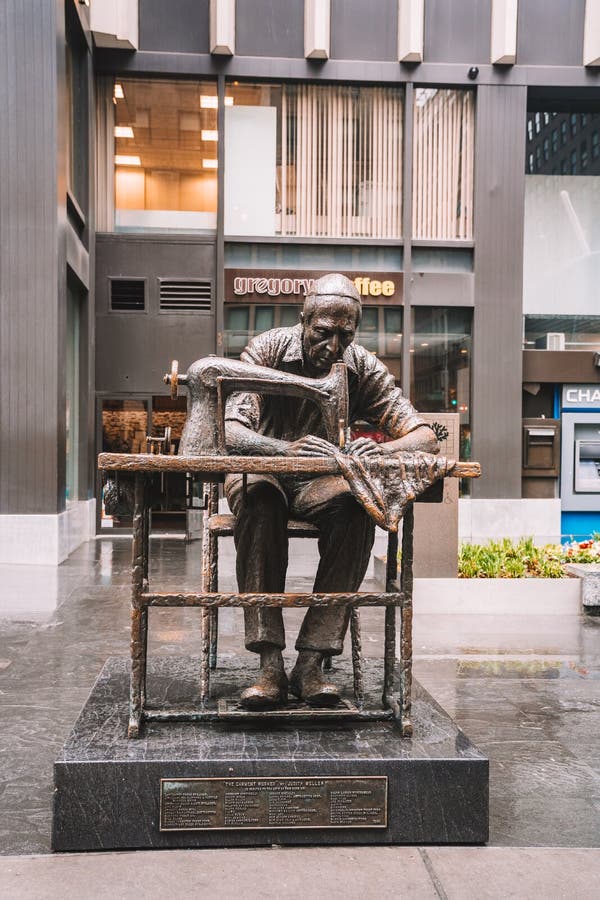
200,804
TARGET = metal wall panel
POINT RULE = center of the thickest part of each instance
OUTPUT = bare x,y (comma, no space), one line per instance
269,28
29,327
550,32
178,26
362,30
456,31
497,328
136,349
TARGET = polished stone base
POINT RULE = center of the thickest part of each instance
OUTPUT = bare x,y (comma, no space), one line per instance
107,788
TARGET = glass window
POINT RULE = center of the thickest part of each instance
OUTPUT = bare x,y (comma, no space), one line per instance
165,152
573,124
313,160
441,364
444,127
562,227
392,318
554,140
595,144
368,333
561,332
242,323
124,430
77,121
237,329
546,146
564,131
264,318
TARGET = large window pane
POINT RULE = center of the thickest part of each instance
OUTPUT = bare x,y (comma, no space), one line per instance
562,333
320,160
242,323
444,127
561,260
165,144
441,364
124,430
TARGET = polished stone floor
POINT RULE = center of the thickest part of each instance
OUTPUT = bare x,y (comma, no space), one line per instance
525,689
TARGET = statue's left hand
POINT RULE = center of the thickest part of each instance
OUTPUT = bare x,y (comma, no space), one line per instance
311,446
365,447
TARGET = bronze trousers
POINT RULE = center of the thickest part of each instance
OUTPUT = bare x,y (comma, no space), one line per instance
346,535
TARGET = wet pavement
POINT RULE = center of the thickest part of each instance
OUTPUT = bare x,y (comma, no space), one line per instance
525,689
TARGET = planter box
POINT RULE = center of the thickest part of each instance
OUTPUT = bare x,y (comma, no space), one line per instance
493,596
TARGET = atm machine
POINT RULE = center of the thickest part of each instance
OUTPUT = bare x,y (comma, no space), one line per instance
580,463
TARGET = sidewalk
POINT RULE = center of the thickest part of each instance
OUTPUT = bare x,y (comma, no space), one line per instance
525,689
347,873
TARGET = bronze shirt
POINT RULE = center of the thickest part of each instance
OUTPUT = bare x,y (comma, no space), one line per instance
372,390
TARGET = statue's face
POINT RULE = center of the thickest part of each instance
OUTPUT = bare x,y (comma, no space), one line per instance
327,330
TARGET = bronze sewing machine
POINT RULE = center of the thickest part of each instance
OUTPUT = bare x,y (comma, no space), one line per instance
212,380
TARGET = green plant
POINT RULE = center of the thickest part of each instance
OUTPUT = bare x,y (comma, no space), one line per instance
523,559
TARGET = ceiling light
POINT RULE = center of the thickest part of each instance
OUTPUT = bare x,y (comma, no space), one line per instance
119,95
211,101
127,160
208,135
123,131
424,345
209,163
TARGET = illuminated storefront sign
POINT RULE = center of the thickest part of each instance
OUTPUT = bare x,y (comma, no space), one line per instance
284,286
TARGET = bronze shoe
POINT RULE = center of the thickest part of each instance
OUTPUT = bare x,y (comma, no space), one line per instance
309,684
270,689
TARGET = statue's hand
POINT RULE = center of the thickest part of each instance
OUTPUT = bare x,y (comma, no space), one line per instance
311,446
365,447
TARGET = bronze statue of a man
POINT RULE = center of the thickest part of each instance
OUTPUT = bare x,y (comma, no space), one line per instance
283,426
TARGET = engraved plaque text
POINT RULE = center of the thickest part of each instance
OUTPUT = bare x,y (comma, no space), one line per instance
197,804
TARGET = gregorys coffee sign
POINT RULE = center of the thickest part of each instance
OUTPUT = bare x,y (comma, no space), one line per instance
285,286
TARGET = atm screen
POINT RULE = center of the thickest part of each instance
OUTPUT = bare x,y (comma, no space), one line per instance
589,450
587,467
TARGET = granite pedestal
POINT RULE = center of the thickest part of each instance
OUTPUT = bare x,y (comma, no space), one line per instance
322,783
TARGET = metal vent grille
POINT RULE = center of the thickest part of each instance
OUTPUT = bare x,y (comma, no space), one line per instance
127,294
179,295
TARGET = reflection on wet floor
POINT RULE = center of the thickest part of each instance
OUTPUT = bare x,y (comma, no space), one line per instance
526,689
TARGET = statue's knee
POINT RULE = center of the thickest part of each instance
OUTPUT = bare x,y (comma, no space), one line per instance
265,501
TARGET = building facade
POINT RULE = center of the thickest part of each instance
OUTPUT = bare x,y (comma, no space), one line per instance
173,175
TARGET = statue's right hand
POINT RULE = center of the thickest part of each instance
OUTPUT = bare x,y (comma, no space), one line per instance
311,446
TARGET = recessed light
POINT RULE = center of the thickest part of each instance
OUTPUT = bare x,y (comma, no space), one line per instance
211,101
208,135
127,160
209,163
123,131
